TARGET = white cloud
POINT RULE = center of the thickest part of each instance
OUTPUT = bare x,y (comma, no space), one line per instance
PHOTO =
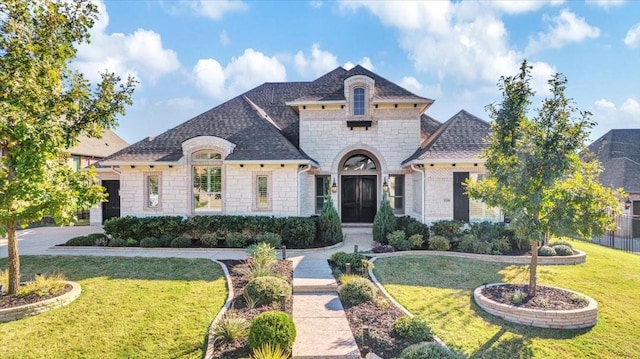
606,4
315,4
224,38
364,62
242,73
631,108
633,36
140,53
540,76
318,62
411,84
215,9
564,29
608,115
520,7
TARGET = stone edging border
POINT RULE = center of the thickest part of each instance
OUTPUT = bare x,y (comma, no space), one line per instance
210,344
556,319
27,310
581,257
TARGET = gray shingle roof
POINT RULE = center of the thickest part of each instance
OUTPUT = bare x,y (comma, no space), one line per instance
461,137
99,147
619,152
428,126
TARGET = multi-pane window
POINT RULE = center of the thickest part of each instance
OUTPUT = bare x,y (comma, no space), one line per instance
358,101
262,192
153,191
396,193
323,188
207,188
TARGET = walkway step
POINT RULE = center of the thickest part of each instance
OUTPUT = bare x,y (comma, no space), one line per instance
313,275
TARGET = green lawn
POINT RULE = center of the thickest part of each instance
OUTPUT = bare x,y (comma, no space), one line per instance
129,308
439,289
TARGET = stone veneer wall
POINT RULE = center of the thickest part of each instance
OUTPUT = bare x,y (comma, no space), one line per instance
174,191
95,213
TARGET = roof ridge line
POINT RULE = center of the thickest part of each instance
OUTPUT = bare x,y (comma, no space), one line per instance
262,113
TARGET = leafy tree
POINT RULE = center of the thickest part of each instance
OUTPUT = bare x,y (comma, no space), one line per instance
44,107
329,226
384,222
536,174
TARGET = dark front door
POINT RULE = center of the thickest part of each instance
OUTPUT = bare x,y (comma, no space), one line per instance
460,198
636,219
358,199
111,208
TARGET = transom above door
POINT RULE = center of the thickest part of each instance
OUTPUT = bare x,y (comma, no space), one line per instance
358,188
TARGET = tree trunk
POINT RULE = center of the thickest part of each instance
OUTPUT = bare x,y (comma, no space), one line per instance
533,269
547,236
14,258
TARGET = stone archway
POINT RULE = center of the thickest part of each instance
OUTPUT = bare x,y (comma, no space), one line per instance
359,173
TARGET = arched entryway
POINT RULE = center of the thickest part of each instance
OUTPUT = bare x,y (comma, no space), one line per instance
359,173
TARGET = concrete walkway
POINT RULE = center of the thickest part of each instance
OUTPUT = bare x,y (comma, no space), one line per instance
322,327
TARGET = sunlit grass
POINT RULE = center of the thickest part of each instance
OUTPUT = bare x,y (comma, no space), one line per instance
129,308
439,289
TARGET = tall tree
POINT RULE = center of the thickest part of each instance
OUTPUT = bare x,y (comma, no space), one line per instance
44,108
536,174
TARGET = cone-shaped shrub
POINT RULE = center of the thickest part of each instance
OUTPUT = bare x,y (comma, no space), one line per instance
384,222
329,226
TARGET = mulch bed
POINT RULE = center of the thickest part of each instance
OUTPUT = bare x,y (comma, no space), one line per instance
10,301
239,348
546,297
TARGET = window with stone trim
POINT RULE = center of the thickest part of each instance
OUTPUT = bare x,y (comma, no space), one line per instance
152,191
323,189
207,180
396,193
358,101
262,194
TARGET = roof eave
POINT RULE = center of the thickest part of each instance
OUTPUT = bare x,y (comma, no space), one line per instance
423,161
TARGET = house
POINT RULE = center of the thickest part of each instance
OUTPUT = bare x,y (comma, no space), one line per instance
619,153
90,150
280,148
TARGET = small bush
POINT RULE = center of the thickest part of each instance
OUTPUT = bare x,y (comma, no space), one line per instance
546,251
398,241
448,229
561,243
42,285
117,242
502,246
439,243
417,240
518,296
413,328
269,351
80,241
273,327
267,290
272,239
357,290
181,242
238,240
299,232
99,239
165,241
427,350
231,327
563,250
329,227
382,248
468,243
149,242
412,226
384,222
340,259
209,239
132,242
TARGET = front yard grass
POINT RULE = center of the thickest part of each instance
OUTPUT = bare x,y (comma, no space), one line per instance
439,289
129,308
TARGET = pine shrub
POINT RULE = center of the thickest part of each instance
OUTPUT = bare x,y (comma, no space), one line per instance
357,290
267,290
439,243
384,222
273,327
329,226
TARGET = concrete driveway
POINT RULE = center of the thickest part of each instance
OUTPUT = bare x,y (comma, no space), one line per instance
35,241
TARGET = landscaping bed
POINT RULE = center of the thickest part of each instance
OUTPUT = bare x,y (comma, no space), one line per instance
547,298
11,301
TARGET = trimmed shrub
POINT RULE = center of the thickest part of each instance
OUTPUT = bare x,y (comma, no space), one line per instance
413,328
340,259
448,229
329,226
149,242
563,243
80,241
412,226
238,240
132,242
299,232
439,243
397,240
273,327
267,290
384,222
546,251
98,236
563,250
120,227
181,242
165,241
468,243
427,350
209,239
417,240
273,239
117,242
357,290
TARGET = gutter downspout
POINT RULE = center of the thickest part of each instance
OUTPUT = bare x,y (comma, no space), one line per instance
423,189
307,168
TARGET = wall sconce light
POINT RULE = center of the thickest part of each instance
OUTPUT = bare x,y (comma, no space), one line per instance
627,204
334,187
385,187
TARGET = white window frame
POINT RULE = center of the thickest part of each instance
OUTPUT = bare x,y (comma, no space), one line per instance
364,101
257,206
147,203
213,159
403,195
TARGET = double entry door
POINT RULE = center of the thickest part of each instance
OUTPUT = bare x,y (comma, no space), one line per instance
359,202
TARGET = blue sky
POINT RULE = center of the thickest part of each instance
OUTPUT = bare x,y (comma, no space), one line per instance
190,56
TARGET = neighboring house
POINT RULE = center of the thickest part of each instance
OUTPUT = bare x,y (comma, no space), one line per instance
279,148
619,153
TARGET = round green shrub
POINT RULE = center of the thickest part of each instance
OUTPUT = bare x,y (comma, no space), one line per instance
563,250
181,242
273,327
165,241
132,242
209,239
80,241
149,242
357,290
117,242
267,290
416,240
564,243
398,241
97,236
428,350
299,232
439,243
468,243
413,328
238,240
546,251
270,238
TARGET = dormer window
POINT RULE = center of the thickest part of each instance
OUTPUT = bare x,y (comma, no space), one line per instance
206,155
358,101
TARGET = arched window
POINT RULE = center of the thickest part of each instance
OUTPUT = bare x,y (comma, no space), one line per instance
205,155
358,101
207,181
358,163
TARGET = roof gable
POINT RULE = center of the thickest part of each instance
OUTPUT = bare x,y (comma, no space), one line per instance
102,147
619,153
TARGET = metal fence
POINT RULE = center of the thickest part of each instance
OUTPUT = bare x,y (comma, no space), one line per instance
626,237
